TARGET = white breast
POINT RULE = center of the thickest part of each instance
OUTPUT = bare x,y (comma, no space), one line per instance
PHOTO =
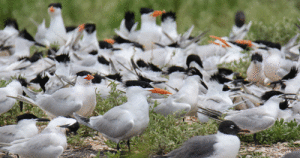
227,147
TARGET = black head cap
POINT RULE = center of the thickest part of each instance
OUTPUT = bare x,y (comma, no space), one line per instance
292,74
70,28
154,67
26,35
41,81
116,77
93,52
283,105
142,84
23,82
168,15
63,58
141,63
229,127
11,22
129,20
73,128
256,57
105,45
224,71
219,78
55,5
175,69
194,58
146,10
83,73
270,94
225,88
36,56
240,18
90,28
26,116
269,44
102,60
97,78
193,71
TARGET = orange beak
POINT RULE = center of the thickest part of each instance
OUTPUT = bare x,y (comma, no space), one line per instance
111,41
89,77
159,91
157,13
220,39
81,27
51,9
244,131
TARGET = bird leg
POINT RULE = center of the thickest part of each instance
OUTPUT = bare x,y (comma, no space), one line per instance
128,144
118,147
255,140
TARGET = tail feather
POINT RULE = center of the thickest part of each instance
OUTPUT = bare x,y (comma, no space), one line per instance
24,99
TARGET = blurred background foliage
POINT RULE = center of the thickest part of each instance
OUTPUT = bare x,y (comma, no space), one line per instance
214,15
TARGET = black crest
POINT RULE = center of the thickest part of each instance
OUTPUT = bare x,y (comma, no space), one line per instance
146,10
224,71
270,94
89,28
193,71
41,81
239,18
269,44
283,105
63,58
154,67
11,22
26,116
97,78
93,52
36,56
83,73
55,5
116,77
102,60
142,84
194,58
175,69
24,34
70,28
23,82
141,63
73,128
168,15
292,74
219,78
256,57
105,45
129,20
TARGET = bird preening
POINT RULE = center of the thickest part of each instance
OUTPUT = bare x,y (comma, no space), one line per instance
158,70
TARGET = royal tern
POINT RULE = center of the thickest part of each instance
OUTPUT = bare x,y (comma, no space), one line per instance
127,120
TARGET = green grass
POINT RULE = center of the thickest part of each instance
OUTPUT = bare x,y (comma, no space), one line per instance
215,15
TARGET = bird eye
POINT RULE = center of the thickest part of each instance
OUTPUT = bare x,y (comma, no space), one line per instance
232,126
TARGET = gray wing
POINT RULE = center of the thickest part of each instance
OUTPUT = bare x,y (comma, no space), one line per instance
252,120
7,133
115,123
295,154
195,147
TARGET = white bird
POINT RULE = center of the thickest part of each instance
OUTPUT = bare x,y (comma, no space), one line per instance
56,33
225,143
169,28
14,89
185,99
127,120
9,34
25,128
50,143
64,102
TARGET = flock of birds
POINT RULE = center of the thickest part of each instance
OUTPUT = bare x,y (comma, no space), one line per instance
154,59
